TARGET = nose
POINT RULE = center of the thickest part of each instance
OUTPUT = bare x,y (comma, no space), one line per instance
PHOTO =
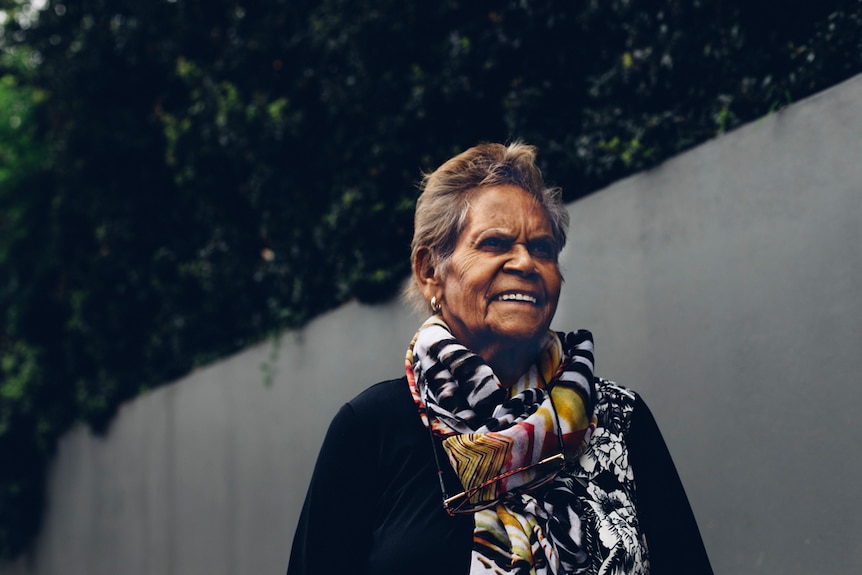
520,261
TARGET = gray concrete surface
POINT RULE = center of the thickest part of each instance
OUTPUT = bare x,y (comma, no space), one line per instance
725,286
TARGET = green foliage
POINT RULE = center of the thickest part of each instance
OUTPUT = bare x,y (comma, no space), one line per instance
180,178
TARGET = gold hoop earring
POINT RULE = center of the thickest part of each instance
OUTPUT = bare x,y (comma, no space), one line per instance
435,305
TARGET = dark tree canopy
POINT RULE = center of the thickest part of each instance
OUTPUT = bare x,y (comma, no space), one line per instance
181,178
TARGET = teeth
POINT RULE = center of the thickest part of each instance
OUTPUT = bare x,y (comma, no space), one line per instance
517,297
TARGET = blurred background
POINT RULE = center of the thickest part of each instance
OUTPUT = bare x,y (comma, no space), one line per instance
181,180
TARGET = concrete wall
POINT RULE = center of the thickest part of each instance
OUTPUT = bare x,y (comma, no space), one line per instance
725,286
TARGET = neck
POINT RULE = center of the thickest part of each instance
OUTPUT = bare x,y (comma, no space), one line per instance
510,362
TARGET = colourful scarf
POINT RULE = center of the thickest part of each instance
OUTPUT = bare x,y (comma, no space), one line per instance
488,431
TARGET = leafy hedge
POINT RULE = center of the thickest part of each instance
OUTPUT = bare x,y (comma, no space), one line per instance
181,178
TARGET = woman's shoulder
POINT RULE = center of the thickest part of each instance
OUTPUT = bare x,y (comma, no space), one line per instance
615,404
611,391
384,400
384,391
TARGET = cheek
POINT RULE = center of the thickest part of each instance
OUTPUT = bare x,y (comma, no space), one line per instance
464,275
554,283
557,283
466,293
465,289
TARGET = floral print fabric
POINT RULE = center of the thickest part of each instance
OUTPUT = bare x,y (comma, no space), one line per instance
585,522
610,532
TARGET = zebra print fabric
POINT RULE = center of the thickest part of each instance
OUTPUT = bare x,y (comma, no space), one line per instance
487,431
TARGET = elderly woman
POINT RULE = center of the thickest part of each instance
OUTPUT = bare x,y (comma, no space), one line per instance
499,451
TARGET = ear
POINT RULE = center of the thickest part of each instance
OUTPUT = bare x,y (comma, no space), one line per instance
425,273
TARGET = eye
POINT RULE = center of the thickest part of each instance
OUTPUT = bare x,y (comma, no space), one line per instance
495,243
544,249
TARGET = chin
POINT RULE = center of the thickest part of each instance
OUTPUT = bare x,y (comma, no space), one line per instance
521,336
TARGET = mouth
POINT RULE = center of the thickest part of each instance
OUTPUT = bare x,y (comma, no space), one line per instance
517,297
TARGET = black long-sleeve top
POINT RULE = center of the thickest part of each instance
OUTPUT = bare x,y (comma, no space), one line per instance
374,505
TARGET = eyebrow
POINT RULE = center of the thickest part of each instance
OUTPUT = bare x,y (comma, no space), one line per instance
508,234
490,232
487,231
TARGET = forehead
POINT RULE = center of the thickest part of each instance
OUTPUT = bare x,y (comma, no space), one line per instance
505,207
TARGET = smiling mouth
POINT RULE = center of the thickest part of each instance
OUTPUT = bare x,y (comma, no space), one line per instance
517,297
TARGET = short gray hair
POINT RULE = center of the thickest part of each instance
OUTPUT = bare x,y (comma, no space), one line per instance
443,205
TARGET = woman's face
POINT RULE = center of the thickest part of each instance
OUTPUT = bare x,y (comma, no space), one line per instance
502,282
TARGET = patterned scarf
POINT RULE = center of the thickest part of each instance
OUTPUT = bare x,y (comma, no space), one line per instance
488,431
